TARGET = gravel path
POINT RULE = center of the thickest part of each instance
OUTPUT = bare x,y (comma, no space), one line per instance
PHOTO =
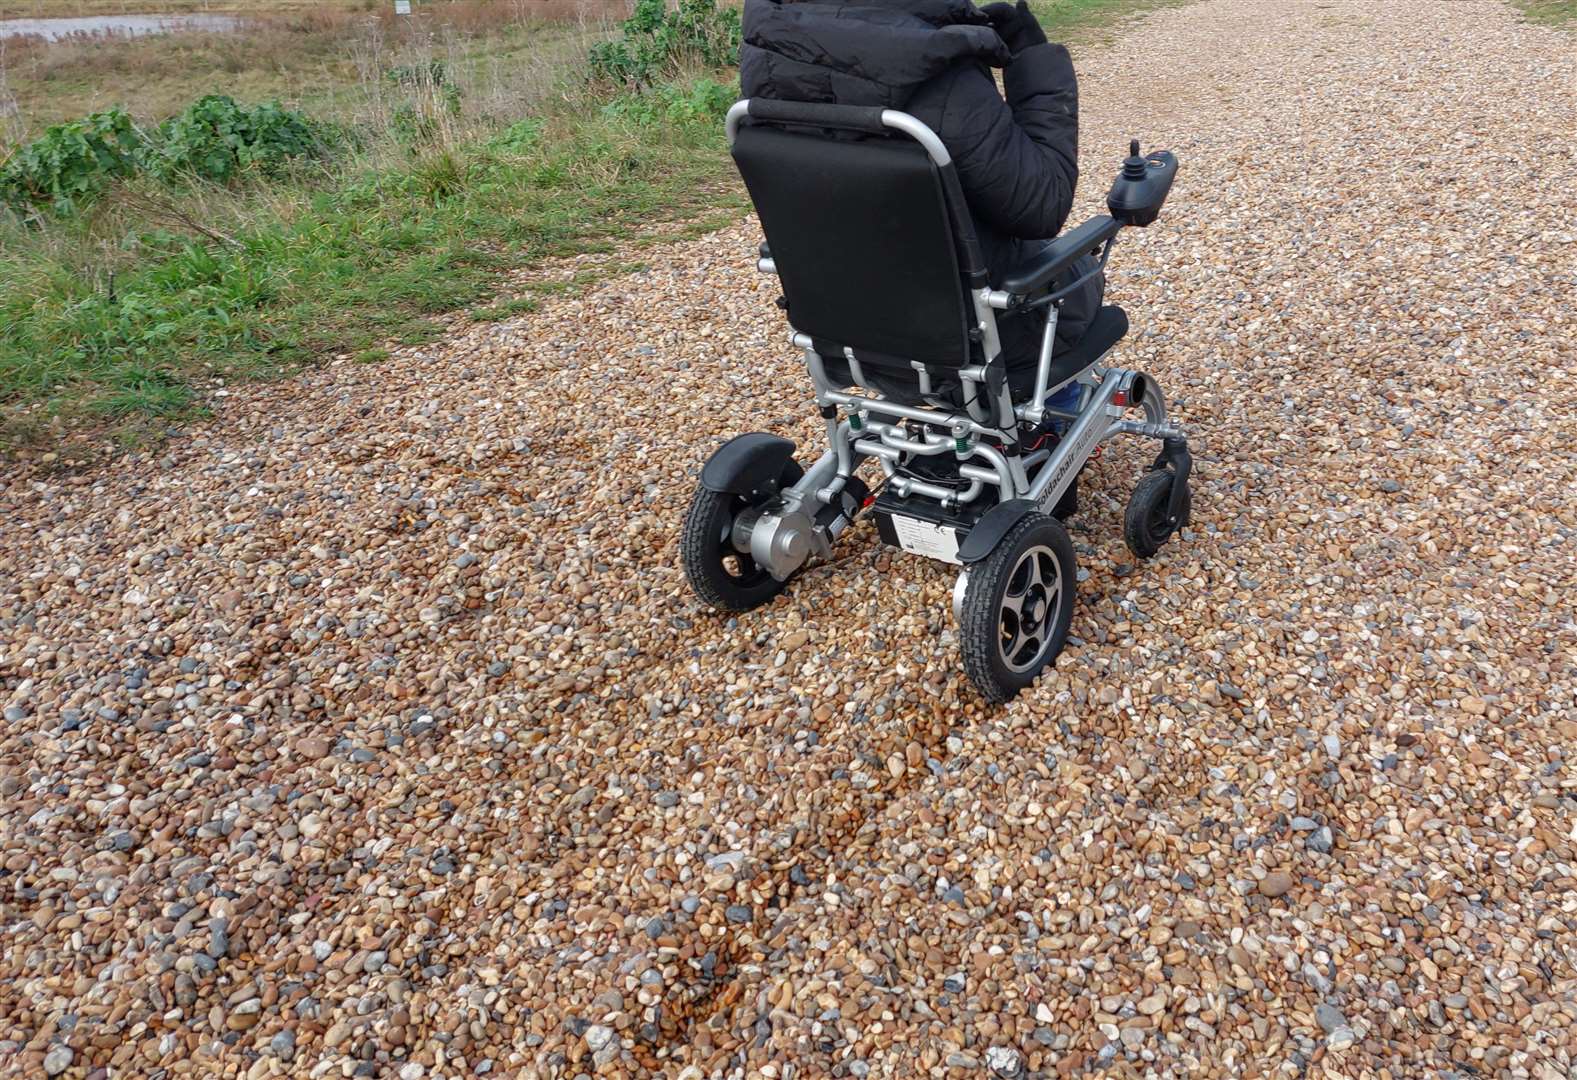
369,730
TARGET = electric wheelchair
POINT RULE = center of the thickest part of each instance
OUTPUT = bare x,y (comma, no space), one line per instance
887,295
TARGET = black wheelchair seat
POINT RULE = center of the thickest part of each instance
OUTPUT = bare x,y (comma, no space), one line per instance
1107,328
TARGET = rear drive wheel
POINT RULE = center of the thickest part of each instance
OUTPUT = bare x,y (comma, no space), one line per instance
1146,524
1016,608
722,576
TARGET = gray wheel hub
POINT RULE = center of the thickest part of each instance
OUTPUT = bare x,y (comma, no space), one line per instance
1030,607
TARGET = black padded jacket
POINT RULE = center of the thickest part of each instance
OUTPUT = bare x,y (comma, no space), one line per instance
1017,158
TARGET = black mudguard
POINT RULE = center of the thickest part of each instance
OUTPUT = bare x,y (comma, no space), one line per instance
747,463
990,529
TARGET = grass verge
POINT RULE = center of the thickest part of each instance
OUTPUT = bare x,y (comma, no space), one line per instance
1091,21
353,268
1562,13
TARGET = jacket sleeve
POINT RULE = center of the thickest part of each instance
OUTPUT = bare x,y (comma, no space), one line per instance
1018,160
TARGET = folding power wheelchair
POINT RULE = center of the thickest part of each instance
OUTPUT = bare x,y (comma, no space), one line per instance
888,297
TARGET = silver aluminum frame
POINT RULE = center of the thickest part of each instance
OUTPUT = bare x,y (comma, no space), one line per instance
870,427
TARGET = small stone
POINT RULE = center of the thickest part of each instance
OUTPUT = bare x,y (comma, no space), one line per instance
313,748
58,1059
1321,840
1004,1061
1329,1016
1275,883
1341,1039
283,1045
738,913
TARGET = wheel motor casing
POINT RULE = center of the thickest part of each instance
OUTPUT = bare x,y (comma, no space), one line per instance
781,541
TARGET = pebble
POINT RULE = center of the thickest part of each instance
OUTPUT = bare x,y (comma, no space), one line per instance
1276,883
57,1060
1341,1039
283,1045
1004,1061
1329,1016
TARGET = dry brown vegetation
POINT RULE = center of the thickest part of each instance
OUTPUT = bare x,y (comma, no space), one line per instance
330,60
41,9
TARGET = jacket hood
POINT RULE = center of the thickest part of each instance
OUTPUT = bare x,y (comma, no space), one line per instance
859,52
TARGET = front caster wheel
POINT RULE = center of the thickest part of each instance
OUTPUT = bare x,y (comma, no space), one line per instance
1148,523
1016,606
721,575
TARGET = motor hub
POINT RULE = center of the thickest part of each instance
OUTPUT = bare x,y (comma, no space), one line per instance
778,540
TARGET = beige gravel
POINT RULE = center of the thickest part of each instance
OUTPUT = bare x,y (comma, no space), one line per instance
370,730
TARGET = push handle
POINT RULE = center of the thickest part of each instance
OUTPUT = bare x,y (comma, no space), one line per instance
819,114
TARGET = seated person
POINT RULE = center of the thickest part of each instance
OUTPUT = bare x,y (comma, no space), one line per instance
1017,158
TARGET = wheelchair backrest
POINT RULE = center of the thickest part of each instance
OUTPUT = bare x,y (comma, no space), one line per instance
867,230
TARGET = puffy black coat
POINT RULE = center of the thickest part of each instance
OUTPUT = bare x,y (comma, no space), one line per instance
1017,159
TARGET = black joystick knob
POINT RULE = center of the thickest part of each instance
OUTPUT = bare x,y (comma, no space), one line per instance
1134,167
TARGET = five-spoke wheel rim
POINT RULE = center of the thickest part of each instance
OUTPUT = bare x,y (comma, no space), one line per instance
1030,607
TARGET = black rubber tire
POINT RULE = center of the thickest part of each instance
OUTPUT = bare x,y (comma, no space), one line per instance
982,614
705,554
1145,525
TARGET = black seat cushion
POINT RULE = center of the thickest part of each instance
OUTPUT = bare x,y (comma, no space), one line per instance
1106,330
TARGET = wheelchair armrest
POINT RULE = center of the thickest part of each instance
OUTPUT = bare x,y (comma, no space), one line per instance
1034,274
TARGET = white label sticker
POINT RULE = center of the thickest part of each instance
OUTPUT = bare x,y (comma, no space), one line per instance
923,538
402,7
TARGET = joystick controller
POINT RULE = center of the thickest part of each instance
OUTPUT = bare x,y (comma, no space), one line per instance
1141,188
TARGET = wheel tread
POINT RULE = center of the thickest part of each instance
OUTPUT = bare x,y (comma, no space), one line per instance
1153,488
697,556
979,624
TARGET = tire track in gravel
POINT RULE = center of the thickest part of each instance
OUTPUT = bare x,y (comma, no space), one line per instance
803,868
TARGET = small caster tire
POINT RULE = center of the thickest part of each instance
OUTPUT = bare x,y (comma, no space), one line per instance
722,577
1016,606
1146,524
